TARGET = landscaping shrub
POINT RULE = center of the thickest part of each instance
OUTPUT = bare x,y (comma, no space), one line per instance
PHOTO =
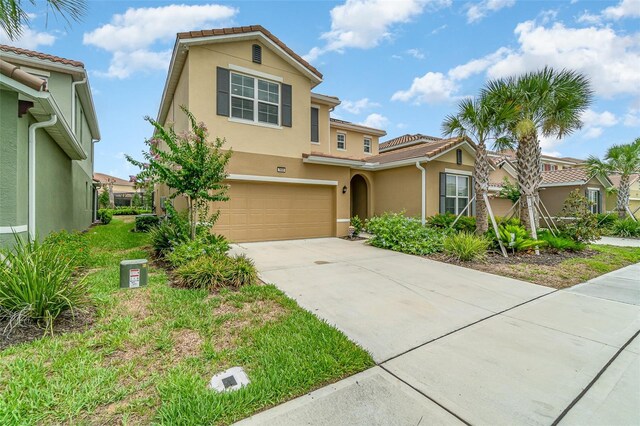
37,283
394,231
105,216
510,221
145,222
583,227
560,242
103,200
357,224
516,238
466,247
606,220
187,251
214,272
72,246
130,211
166,236
626,228
444,221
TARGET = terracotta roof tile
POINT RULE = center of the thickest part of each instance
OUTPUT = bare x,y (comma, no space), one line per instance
577,174
40,55
426,149
615,179
249,29
104,178
404,139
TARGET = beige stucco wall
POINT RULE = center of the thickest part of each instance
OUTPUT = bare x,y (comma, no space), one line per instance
323,144
355,143
175,116
243,137
500,206
498,175
554,197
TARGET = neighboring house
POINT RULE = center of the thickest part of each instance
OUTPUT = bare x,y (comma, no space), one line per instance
295,172
123,190
556,186
634,194
47,132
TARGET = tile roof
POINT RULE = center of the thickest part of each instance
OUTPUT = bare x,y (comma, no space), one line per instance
404,139
250,29
577,174
426,149
615,179
104,178
335,120
40,55
511,155
15,73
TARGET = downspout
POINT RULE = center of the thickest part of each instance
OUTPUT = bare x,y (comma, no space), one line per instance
424,192
73,102
32,171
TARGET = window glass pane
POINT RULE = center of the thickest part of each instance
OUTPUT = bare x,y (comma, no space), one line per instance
341,141
463,186
242,108
451,186
462,203
367,145
268,91
267,113
450,205
241,85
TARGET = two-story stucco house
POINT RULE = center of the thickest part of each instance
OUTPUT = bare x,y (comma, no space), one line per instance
295,171
48,126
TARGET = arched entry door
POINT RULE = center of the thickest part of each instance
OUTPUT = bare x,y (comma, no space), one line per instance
359,197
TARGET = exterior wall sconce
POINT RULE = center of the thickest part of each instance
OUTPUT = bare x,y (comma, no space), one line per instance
344,189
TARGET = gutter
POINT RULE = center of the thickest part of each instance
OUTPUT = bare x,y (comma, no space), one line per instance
424,192
73,103
32,172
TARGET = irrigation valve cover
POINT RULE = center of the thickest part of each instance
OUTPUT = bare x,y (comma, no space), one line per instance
229,380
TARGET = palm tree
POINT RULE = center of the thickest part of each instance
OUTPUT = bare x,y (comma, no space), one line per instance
621,159
476,119
548,103
13,17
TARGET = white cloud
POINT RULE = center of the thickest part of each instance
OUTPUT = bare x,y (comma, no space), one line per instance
590,118
593,132
416,53
363,24
624,9
377,121
477,11
355,107
549,145
433,87
29,39
632,118
131,37
440,28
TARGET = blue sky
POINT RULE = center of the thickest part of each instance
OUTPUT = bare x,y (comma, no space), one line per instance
401,65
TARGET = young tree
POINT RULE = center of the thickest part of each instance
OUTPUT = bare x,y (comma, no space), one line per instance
479,120
548,103
623,160
188,165
103,199
13,17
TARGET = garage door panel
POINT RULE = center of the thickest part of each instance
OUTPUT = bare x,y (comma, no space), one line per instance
270,211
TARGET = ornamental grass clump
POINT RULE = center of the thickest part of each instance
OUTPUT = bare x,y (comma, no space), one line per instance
626,228
37,284
394,231
216,272
466,247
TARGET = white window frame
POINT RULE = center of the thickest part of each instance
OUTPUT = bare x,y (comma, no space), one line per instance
256,101
458,197
344,141
593,202
366,146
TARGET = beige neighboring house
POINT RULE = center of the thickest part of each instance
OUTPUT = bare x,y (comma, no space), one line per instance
634,194
123,190
295,171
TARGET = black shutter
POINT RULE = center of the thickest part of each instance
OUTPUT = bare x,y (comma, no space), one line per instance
443,191
314,125
600,202
222,88
286,105
472,192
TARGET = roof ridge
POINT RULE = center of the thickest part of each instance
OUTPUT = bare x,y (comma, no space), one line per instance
40,55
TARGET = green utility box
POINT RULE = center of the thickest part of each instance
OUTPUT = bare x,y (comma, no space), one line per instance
133,273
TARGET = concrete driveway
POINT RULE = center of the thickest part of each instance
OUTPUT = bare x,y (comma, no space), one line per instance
454,345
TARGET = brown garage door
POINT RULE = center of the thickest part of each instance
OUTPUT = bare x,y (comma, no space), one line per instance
275,211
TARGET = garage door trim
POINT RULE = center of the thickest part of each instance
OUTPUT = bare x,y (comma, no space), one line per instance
274,179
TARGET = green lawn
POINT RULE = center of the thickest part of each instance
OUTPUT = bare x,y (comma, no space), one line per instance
151,352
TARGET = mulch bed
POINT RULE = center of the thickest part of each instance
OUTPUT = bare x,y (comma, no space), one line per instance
354,238
28,332
546,257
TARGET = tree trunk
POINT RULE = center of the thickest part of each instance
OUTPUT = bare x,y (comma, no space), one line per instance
529,175
481,178
623,196
192,219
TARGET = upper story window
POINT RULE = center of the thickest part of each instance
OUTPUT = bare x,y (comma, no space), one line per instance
255,99
315,134
549,167
342,141
367,145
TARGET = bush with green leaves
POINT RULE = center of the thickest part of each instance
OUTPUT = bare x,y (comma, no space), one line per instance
146,222
129,211
516,238
395,231
583,225
559,242
170,233
606,220
105,216
187,251
466,247
445,221
218,271
72,246
626,228
103,200
37,284
357,224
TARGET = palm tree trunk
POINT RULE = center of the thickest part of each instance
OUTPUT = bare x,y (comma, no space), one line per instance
623,196
481,178
529,174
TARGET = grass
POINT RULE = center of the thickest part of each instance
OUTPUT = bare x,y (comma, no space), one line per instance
151,351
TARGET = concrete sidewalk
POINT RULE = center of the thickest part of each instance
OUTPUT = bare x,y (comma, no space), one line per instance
470,347
619,241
